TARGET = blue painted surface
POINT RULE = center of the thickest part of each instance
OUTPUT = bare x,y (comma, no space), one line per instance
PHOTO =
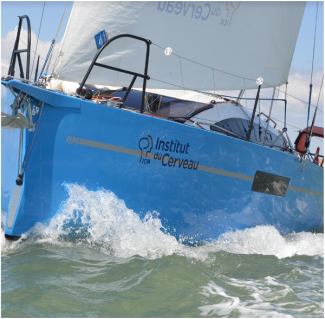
191,203
9,152
54,99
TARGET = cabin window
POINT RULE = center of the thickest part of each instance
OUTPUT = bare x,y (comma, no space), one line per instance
241,126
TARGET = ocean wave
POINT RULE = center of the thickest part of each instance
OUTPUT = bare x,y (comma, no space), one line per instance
261,298
101,221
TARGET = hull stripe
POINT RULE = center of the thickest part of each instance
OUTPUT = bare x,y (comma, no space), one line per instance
130,151
305,191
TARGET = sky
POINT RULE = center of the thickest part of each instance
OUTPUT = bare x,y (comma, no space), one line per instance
299,76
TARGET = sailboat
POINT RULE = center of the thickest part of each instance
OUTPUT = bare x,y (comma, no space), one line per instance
139,124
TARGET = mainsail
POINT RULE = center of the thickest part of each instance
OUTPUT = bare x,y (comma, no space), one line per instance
210,42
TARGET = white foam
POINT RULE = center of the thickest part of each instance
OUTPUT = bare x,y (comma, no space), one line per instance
266,240
3,218
3,222
259,298
6,245
101,221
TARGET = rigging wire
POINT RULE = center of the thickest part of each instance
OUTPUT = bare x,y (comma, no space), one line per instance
172,71
31,146
259,120
313,121
243,78
272,118
217,94
39,30
297,98
310,91
187,60
321,87
228,73
312,66
214,86
180,64
218,71
57,35
202,88
33,51
205,65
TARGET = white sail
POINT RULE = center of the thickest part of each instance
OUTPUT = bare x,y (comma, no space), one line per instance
246,39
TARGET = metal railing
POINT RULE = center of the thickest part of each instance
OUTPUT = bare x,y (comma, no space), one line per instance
16,52
135,75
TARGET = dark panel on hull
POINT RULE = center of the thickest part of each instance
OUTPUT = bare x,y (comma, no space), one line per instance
270,184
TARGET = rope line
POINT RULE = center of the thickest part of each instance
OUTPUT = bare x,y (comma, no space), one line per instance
310,92
39,30
214,86
172,71
321,87
272,118
33,50
312,65
204,64
35,133
56,36
296,99
213,75
243,78
180,64
224,113
201,90
246,106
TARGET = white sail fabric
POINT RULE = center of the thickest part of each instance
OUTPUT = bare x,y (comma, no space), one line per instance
246,39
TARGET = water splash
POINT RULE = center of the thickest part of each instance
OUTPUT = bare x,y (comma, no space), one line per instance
7,246
3,219
266,240
102,221
99,220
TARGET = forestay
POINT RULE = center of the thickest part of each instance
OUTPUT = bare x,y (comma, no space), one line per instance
248,39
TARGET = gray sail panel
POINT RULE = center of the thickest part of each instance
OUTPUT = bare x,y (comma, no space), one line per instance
14,121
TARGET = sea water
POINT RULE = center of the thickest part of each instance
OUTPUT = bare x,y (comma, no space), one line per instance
97,258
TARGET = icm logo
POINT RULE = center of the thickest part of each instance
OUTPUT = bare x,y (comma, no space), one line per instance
231,8
219,11
145,145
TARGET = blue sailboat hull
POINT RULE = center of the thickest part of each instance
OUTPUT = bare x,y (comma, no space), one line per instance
200,182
